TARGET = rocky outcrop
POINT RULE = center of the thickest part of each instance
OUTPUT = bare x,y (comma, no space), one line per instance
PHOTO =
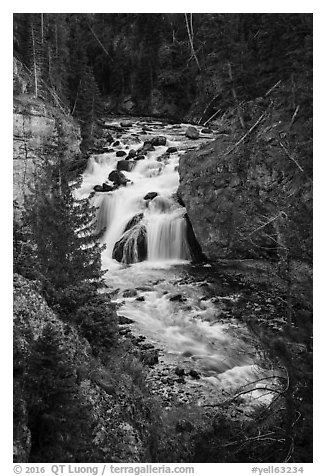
110,400
221,198
36,129
35,134
244,197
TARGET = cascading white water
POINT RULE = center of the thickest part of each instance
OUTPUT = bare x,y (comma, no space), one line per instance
166,237
190,331
163,218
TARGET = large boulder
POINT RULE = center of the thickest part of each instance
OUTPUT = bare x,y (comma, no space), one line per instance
118,178
132,246
192,132
126,165
158,140
120,153
134,221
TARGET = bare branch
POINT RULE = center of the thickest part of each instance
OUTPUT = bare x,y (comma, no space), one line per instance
272,88
191,42
247,133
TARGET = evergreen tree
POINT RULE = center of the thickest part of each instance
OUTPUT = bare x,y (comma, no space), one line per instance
61,230
60,422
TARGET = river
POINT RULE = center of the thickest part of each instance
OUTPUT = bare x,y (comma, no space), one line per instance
176,307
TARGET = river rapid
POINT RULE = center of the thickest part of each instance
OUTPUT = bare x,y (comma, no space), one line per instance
174,306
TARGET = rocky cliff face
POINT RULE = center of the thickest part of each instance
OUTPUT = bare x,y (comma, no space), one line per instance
251,198
36,127
64,393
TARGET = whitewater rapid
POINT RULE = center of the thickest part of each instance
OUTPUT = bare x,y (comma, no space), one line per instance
175,313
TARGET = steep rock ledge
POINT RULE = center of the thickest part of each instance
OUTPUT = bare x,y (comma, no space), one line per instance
36,126
35,130
251,198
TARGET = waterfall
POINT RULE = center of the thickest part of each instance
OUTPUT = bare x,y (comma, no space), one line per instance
166,237
133,225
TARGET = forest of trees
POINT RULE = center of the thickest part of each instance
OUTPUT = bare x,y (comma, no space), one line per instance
201,63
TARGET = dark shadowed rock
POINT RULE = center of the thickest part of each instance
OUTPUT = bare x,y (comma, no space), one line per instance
126,165
132,153
139,157
178,298
150,195
171,150
179,371
107,188
98,188
118,178
206,130
129,293
132,246
194,374
120,153
158,140
196,252
192,132
116,143
134,221
124,320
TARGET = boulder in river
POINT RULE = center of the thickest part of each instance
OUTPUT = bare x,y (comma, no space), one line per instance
150,195
134,221
178,298
118,178
120,153
98,188
116,143
192,132
171,150
158,140
106,187
139,157
132,246
126,165
206,130
126,124
132,154
129,293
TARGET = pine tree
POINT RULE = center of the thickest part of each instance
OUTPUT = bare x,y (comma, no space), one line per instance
61,230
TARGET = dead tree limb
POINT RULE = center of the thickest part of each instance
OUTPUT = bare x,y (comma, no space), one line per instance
273,87
212,117
191,43
246,134
99,41
294,116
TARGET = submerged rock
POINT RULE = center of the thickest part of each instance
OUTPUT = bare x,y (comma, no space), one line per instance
192,132
129,293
